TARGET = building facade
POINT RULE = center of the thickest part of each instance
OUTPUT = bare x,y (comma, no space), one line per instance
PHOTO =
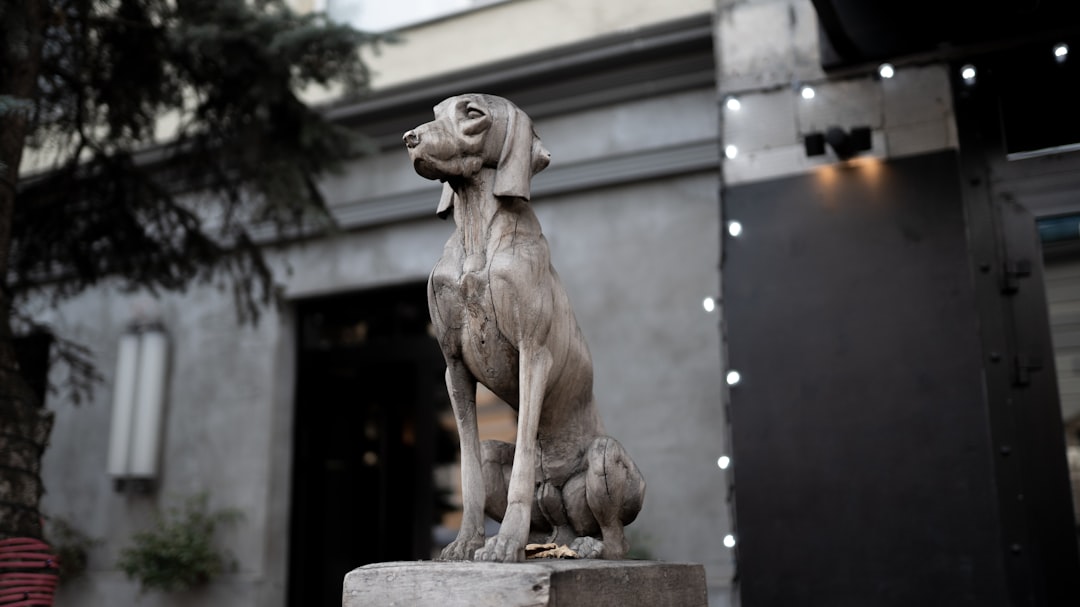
325,423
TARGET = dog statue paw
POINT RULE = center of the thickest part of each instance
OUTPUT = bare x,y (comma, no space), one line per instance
501,549
587,547
462,549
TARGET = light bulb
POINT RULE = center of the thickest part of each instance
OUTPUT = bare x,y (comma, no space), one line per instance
733,104
733,377
1061,52
734,228
968,74
807,92
886,70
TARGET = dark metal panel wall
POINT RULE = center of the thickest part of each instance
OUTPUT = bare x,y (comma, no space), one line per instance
1032,404
863,463
1040,541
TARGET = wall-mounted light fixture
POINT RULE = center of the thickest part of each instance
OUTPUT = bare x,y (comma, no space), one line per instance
138,407
846,144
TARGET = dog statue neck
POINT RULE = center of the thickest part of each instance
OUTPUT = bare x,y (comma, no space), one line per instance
475,208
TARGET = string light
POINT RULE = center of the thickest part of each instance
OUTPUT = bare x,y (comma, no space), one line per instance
886,70
734,228
724,462
807,92
709,304
1061,52
733,377
733,104
968,74
731,152
729,541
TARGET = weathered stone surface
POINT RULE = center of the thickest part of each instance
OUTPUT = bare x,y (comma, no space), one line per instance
561,583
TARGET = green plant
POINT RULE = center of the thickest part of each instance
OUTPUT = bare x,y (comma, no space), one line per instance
179,552
71,547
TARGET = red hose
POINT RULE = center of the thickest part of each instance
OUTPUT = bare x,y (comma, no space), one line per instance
28,573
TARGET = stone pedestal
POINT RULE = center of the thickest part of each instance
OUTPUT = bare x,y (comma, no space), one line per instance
540,583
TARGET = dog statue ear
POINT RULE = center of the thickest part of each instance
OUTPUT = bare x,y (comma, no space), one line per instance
446,202
521,157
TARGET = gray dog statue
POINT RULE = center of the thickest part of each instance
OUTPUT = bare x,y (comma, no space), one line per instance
502,318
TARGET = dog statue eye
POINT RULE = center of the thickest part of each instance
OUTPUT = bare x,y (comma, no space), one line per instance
473,113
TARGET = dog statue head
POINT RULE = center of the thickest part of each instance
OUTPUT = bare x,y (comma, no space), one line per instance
473,131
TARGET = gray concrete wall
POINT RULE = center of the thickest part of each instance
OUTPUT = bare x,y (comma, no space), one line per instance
222,435
637,263
636,259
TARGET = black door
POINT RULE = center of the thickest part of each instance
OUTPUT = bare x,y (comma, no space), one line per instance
369,387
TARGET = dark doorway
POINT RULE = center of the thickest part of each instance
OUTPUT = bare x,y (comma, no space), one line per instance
369,388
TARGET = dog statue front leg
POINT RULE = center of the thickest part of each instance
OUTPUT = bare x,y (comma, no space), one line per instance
509,544
461,386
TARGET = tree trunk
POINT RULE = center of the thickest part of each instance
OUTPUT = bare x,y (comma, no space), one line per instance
24,424
24,431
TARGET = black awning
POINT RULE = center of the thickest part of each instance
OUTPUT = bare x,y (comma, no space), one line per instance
861,31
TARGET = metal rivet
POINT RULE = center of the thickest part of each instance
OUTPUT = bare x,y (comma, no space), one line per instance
1016,549
1006,450
984,268
995,357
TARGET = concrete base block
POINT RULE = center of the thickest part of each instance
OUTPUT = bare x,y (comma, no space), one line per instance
540,583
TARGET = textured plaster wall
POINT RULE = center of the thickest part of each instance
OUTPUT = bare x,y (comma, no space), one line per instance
637,262
514,28
222,433
503,31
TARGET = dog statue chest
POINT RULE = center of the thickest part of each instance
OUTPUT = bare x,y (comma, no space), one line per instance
462,278
461,291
